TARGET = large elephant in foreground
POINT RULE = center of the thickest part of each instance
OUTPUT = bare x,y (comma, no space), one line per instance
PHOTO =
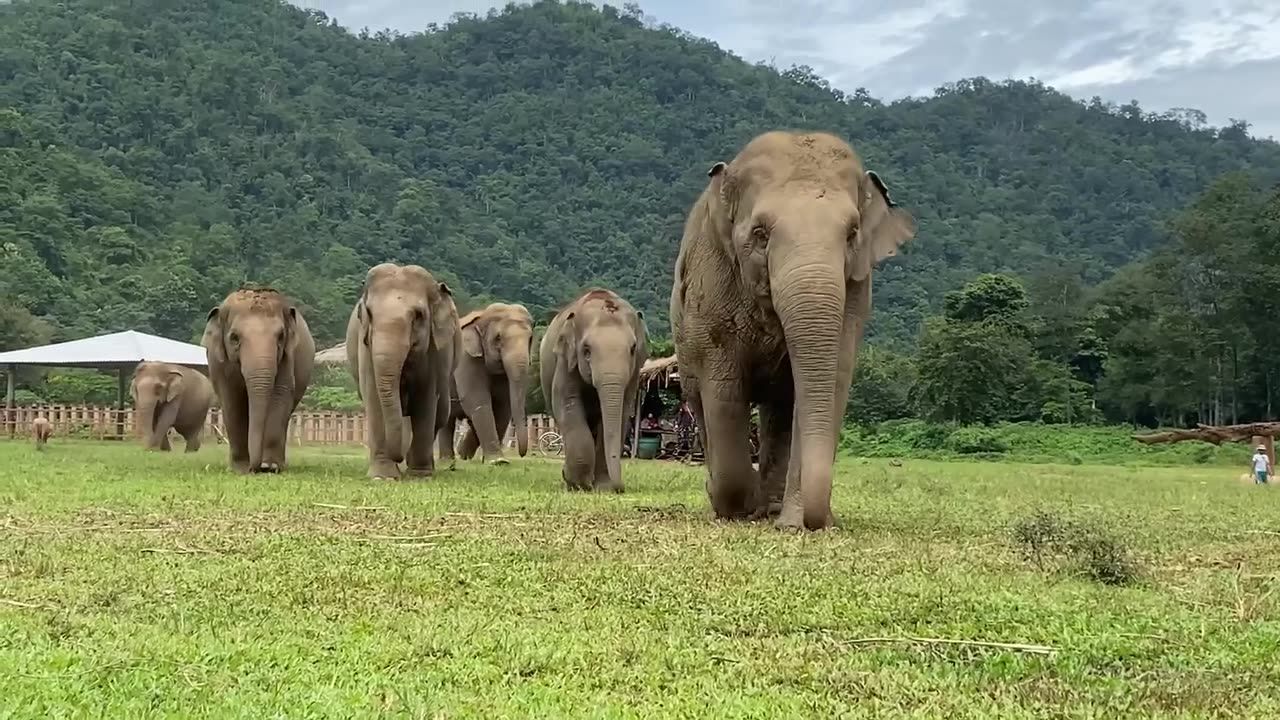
491,380
590,360
400,347
260,353
170,396
772,290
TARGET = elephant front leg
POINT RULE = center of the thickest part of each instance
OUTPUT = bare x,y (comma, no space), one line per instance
501,420
164,442
444,442
420,460
733,485
235,419
470,442
193,440
775,453
579,447
276,432
601,481
477,402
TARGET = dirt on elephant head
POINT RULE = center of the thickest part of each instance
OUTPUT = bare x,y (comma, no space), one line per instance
815,156
608,297
258,298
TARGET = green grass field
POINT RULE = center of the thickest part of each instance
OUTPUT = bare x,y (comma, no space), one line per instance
149,585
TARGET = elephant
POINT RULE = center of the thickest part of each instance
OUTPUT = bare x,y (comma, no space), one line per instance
260,354
490,382
41,430
771,292
400,348
589,362
170,396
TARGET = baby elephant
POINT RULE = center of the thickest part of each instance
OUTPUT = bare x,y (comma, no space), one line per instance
170,396
41,430
590,362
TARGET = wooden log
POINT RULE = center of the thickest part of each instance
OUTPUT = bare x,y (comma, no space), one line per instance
1213,434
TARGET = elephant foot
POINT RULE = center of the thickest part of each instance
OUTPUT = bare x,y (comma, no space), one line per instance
792,518
384,470
604,484
570,485
498,461
268,467
737,511
240,466
422,472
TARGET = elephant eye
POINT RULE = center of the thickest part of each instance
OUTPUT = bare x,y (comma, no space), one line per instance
760,235
633,348
497,339
586,351
235,338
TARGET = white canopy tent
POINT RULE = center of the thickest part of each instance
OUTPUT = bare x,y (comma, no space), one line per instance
120,352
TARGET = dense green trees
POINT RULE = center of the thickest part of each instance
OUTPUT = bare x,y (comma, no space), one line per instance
1187,335
154,154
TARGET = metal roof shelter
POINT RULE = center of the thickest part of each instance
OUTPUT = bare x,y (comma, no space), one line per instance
121,352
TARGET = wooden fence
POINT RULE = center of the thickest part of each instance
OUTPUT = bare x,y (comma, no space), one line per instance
313,428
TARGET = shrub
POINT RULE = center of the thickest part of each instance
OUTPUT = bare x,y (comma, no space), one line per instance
972,440
1086,550
1203,454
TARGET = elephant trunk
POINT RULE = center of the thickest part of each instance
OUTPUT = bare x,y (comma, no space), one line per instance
388,364
259,383
146,421
612,391
517,368
809,296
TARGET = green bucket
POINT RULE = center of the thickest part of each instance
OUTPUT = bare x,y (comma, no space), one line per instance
647,448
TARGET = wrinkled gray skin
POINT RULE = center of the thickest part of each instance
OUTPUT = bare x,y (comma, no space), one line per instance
400,346
771,292
589,362
260,353
170,396
491,381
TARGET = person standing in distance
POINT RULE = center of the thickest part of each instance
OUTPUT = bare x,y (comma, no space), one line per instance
1261,465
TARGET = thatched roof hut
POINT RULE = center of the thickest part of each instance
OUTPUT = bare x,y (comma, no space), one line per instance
660,370
336,355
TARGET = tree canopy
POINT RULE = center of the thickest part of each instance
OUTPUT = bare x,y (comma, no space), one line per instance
155,154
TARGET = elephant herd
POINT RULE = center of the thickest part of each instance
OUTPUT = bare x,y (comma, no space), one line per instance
770,296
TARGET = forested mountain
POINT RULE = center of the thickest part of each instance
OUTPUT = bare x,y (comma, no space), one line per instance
155,153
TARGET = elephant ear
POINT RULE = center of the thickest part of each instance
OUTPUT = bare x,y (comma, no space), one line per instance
473,340
569,341
212,341
884,227
444,324
290,315
175,386
133,389
720,198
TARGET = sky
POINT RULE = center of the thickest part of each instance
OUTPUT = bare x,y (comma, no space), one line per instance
1218,56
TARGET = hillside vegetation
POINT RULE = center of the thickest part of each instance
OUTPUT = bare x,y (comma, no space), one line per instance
154,154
